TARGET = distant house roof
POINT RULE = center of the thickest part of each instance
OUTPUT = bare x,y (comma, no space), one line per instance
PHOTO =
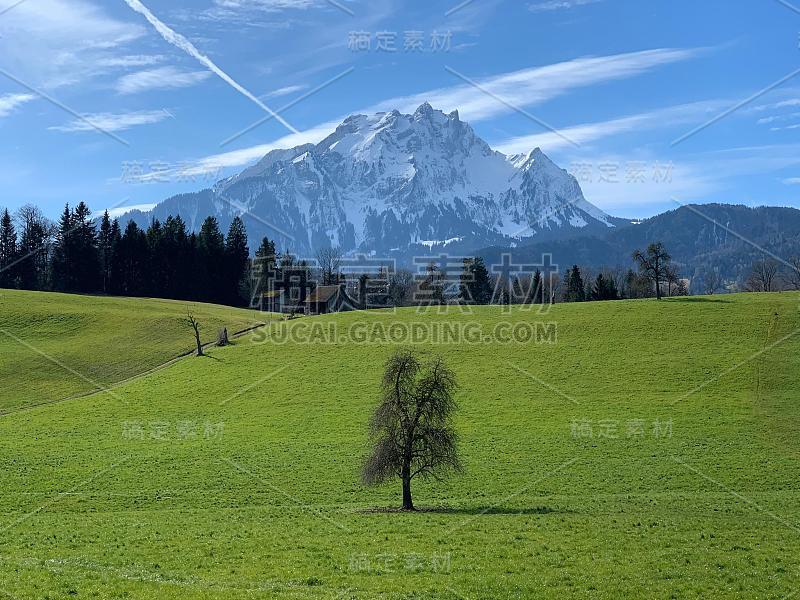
323,293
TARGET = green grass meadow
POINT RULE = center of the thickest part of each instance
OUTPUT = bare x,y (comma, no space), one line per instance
650,451
54,346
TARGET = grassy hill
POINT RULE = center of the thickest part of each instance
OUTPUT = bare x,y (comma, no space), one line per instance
54,346
651,451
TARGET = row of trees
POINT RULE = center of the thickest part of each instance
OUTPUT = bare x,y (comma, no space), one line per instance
165,260
769,275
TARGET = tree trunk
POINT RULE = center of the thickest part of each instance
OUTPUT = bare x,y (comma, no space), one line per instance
199,345
408,504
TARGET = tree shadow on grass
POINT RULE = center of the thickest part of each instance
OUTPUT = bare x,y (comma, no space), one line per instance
691,299
474,511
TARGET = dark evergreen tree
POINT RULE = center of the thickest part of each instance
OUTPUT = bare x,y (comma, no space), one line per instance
237,256
104,253
158,271
476,284
537,288
132,260
114,272
8,251
62,265
178,260
211,257
575,291
86,268
264,268
604,289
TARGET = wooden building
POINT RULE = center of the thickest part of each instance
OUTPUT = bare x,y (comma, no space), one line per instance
329,299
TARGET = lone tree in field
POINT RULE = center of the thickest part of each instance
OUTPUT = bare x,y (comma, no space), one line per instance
763,276
196,327
411,429
653,264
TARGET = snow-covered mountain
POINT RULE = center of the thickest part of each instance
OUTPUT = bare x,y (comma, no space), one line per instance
393,184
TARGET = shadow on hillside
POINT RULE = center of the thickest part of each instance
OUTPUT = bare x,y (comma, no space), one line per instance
474,511
690,299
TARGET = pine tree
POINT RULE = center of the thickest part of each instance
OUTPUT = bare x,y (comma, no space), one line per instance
158,273
264,268
177,260
237,256
62,265
104,252
86,270
114,270
211,257
132,261
575,291
604,289
537,288
8,250
476,285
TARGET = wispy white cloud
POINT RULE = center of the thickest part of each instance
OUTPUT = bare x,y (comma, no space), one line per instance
161,78
777,105
131,61
537,85
552,5
269,5
690,179
522,88
114,122
285,91
775,118
179,41
119,211
57,42
590,132
11,102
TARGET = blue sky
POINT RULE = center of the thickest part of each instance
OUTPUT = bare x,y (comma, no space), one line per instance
126,102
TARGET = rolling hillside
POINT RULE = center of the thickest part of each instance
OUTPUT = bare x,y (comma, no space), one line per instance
651,451
54,346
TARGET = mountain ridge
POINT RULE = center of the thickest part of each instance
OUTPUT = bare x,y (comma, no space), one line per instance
391,183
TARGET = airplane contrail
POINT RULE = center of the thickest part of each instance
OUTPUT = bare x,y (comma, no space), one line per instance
177,40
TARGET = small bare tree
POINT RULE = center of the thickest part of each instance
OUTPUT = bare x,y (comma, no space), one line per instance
712,281
329,261
653,264
792,275
763,276
401,285
411,429
672,277
192,322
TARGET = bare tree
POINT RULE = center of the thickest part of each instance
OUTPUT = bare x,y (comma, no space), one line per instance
412,431
329,261
712,281
763,276
401,284
192,322
653,264
792,275
672,277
